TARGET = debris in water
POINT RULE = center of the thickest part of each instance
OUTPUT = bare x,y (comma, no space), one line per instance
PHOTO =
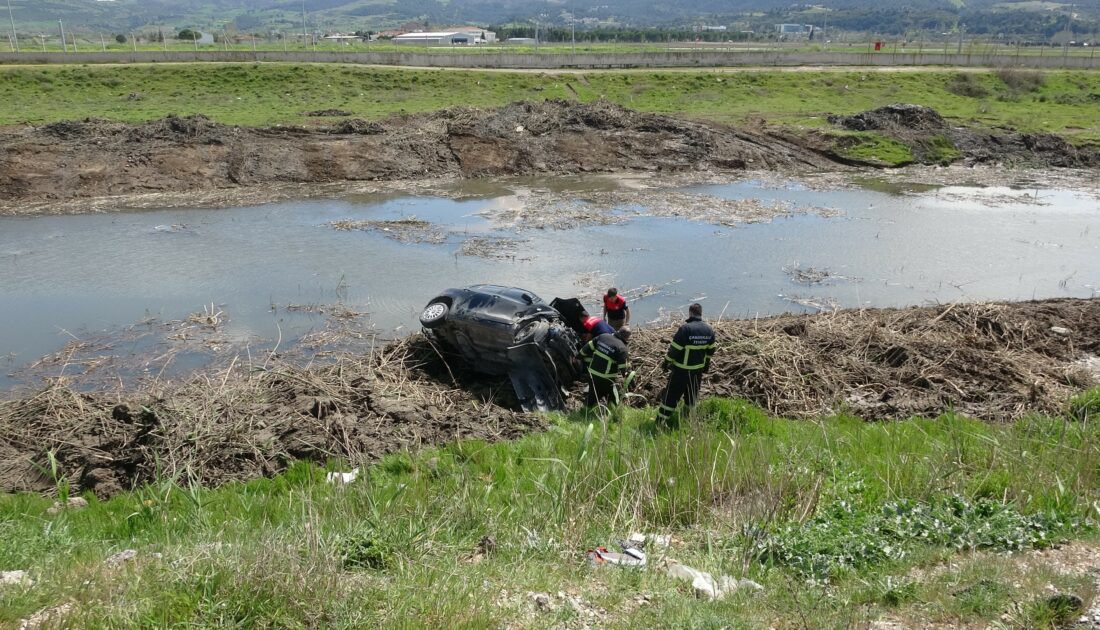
406,230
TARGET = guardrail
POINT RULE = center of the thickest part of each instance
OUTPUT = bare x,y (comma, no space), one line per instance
557,61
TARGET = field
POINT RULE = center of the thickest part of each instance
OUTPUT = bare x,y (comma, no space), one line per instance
271,94
839,520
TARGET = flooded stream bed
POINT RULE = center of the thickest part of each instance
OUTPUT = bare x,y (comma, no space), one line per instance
142,294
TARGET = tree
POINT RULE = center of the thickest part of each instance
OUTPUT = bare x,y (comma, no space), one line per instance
188,34
120,38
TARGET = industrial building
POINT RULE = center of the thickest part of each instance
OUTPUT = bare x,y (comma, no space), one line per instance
447,38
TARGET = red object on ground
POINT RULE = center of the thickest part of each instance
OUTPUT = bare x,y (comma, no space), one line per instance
878,45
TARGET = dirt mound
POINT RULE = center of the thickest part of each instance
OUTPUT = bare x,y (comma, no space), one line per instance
358,126
934,141
993,361
900,116
76,160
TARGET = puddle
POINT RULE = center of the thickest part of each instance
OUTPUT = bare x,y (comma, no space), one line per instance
271,268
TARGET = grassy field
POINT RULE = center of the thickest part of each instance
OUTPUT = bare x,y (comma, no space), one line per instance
268,94
840,520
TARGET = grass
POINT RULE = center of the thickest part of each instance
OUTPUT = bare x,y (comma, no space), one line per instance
267,94
871,148
893,518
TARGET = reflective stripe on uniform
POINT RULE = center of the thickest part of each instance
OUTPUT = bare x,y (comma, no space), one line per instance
687,350
610,365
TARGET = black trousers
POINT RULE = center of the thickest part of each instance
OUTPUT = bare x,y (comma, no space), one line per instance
681,384
599,390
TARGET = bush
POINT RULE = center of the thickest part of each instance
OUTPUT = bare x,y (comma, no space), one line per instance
120,38
1021,80
967,84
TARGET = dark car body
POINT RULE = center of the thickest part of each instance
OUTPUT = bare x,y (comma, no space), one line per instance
499,330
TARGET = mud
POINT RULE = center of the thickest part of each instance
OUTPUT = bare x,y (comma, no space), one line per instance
93,159
995,361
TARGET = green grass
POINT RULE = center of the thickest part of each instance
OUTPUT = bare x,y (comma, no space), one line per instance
741,493
871,148
268,94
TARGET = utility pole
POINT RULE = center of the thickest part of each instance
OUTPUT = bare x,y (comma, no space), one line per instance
102,44
572,23
133,40
64,44
14,37
303,21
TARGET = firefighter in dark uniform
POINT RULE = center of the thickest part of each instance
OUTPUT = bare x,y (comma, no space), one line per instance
687,359
606,355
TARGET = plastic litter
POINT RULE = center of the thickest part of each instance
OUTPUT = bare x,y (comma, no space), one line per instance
657,541
341,478
630,557
704,584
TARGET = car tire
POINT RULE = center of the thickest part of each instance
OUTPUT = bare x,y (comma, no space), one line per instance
434,314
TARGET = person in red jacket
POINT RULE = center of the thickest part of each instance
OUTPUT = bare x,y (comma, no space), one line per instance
615,310
594,326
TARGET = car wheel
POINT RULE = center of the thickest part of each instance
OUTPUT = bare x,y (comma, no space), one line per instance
434,314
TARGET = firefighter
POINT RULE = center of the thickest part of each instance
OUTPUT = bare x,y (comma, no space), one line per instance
606,355
688,357
615,310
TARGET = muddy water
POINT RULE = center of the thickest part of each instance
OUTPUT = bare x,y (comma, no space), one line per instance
268,269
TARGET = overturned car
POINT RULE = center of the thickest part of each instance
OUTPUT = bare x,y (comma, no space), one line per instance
499,330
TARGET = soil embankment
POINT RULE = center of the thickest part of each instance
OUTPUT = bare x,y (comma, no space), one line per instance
82,159
994,361
77,160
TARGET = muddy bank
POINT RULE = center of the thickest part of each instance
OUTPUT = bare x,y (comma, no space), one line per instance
92,159
995,361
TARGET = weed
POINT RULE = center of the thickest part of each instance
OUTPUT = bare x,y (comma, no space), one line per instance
967,84
1085,405
1019,80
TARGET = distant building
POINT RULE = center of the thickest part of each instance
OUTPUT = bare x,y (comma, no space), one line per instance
793,29
447,38
520,41
343,39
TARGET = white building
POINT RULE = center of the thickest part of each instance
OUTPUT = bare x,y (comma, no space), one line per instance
447,38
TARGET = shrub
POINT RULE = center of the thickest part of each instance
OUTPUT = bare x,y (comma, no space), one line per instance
967,84
1019,80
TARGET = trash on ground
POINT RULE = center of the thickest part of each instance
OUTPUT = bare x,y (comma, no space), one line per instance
630,557
342,478
704,584
658,541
